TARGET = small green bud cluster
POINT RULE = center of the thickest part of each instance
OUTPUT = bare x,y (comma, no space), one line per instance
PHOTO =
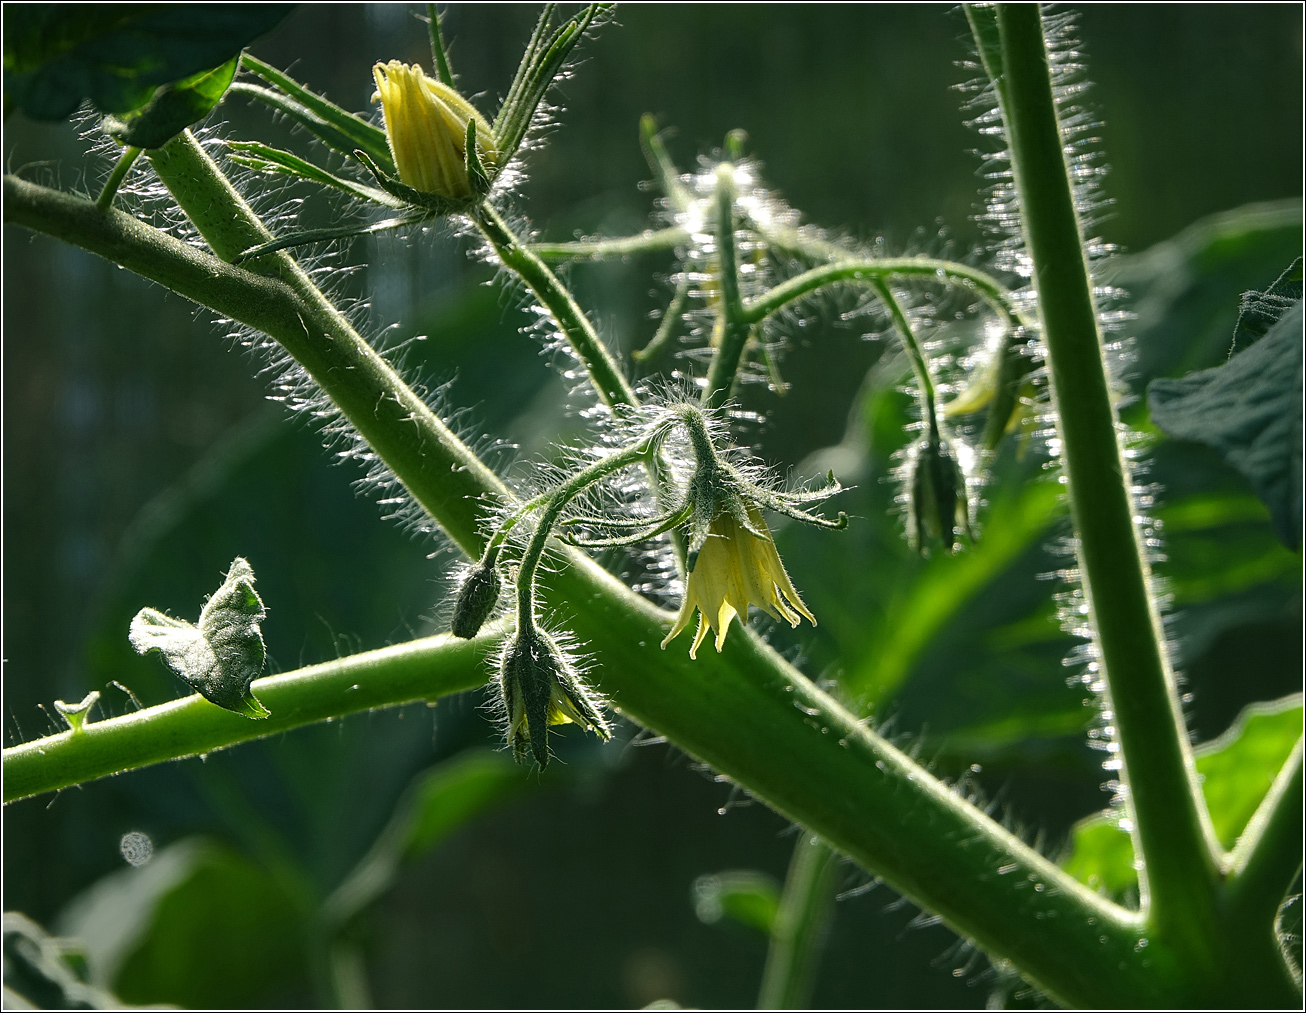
733,565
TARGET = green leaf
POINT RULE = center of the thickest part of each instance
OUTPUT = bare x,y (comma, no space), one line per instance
116,55
200,926
1185,291
221,656
1103,856
1237,770
1250,412
438,802
1259,311
745,896
173,108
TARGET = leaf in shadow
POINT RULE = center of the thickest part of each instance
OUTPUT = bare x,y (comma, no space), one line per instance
439,801
1250,412
173,108
200,926
116,55
223,655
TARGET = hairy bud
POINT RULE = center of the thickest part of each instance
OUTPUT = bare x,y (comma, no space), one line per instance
938,509
476,601
541,688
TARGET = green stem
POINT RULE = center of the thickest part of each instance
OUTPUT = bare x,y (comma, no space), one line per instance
929,410
732,320
610,249
119,173
438,55
419,670
558,500
667,325
801,926
433,464
988,288
678,196
1173,834
604,370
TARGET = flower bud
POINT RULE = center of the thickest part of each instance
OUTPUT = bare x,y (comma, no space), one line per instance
426,126
540,688
476,601
938,508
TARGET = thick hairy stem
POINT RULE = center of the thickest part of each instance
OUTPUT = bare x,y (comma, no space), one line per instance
800,927
420,670
605,372
433,464
1173,833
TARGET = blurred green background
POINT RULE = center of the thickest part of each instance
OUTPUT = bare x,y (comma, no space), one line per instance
141,456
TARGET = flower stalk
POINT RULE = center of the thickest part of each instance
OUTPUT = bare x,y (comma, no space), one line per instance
609,382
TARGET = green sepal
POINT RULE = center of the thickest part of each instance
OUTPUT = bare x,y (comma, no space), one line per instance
938,508
540,688
540,65
476,601
336,127
434,203
476,175
310,236
255,155
221,656
173,108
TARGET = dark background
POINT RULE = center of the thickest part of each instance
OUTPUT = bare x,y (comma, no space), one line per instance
141,456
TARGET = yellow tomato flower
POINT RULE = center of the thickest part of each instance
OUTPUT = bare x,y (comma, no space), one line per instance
735,568
426,126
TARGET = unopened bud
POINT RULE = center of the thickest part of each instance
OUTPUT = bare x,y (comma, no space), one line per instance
938,508
426,125
540,688
476,601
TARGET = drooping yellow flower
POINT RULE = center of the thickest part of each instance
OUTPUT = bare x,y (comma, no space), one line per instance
735,568
426,125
